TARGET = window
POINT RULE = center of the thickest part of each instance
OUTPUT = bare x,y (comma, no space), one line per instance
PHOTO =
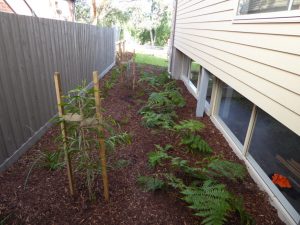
186,66
195,69
276,150
209,87
265,6
235,112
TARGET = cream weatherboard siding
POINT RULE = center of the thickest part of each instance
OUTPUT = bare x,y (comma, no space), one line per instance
259,60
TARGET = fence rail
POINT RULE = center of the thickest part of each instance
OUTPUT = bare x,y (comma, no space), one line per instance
31,50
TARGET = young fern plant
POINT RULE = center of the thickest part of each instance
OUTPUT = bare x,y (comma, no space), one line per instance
211,201
150,183
160,108
156,157
188,130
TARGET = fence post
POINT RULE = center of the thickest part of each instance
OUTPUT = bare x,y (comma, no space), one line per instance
63,131
101,138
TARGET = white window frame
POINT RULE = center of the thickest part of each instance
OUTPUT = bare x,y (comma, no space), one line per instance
242,150
186,68
270,17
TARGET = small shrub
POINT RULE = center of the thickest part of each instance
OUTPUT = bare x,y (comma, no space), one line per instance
150,183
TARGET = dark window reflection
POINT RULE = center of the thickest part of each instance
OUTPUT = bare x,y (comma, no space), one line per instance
209,88
235,111
276,149
262,6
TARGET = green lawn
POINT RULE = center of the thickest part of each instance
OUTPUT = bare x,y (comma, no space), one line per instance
151,60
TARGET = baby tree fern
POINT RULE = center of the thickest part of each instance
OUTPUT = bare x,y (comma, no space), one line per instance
194,142
210,201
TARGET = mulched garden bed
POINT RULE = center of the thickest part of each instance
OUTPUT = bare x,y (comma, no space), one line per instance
46,200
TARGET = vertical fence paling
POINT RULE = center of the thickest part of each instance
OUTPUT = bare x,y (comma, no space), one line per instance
38,48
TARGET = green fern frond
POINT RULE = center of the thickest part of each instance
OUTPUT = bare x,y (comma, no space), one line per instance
238,205
224,168
211,201
150,183
189,125
175,182
156,157
196,143
182,164
152,119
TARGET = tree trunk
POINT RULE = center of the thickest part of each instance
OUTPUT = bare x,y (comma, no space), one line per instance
151,37
94,15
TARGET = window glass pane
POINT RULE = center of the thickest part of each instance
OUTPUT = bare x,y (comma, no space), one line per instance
195,73
276,149
235,111
186,66
262,6
296,5
209,88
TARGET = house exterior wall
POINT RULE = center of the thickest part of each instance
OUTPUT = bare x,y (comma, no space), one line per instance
259,59
4,7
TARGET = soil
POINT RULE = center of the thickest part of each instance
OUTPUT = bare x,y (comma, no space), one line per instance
45,199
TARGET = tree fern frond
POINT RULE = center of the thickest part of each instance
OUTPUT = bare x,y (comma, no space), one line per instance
150,183
189,125
210,201
224,168
196,143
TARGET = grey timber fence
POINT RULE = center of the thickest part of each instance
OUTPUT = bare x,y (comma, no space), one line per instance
31,50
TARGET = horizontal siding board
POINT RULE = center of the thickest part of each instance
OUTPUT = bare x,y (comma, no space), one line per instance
281,113
199,5
292,29
214,17
278,94
267,41
182,5
222,6
281,78
283,61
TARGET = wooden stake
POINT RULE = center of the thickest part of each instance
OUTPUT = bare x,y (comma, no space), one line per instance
133,70
63,131
101,139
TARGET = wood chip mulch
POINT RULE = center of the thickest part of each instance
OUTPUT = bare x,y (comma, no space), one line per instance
45,200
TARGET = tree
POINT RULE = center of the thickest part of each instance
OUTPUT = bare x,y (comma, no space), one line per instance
151,21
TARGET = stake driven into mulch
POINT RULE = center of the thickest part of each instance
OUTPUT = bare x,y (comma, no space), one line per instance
83,121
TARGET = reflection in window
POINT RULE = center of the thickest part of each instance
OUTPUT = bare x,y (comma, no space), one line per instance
186,66
195,73
296,5
262,6
276,149
235,111
209,87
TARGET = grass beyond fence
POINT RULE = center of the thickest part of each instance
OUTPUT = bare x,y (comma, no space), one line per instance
152,60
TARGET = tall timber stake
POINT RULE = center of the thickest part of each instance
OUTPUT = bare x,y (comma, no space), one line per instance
101,131
63,131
